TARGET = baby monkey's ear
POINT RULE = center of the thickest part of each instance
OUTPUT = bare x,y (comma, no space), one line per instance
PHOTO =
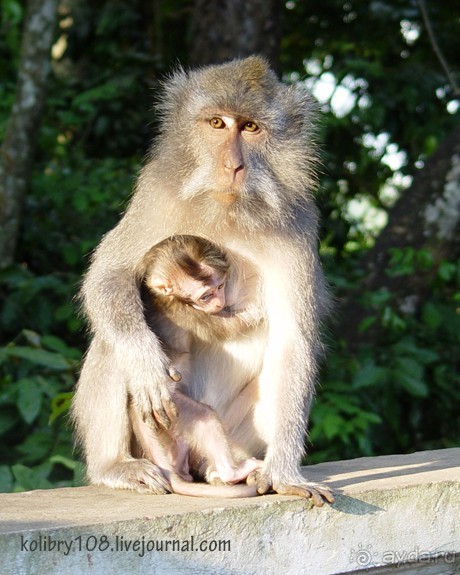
163,287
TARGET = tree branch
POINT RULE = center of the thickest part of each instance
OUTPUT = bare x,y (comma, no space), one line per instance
436,48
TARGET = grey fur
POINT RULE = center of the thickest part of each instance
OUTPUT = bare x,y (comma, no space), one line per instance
176,194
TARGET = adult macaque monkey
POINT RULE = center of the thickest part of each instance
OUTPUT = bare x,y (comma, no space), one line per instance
235,162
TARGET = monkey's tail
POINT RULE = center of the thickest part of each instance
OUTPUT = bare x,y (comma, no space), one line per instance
182,487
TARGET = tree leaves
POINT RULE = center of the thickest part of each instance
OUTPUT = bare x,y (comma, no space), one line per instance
53,361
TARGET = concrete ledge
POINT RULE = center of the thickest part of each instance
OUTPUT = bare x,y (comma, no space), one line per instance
398,514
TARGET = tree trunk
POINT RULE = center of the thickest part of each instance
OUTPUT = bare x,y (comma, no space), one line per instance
428,214
17,150
426,217
229,29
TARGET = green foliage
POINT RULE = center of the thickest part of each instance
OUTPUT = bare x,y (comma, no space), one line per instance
73,201
396,86
400,392
407,261
36,375
41,303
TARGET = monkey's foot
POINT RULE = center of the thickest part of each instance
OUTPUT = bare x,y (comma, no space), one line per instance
137,474
244,469
214,479
234,474
316,492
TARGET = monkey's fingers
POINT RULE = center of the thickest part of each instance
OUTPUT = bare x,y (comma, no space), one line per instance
166,413
162,418
139,474
171,408
152,482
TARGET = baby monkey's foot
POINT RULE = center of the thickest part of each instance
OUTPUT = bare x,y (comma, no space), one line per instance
235,474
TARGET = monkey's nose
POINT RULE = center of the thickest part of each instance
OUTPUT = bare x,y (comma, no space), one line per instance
233,158
233,165
235,174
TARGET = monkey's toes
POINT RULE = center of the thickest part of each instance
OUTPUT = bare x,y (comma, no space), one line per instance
316,492
138,474
214,479
261,482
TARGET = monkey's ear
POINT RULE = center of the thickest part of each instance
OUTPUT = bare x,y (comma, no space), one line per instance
164,287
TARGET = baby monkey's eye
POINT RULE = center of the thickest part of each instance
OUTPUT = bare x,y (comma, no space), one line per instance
217,123
220,286
206,297
250,127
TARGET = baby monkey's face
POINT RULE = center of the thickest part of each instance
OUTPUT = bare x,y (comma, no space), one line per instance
208,296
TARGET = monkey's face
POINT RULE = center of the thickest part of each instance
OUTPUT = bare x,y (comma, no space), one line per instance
232,139
207,296
237,139
232,177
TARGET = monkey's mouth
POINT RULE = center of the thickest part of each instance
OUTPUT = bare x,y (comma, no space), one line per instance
226,198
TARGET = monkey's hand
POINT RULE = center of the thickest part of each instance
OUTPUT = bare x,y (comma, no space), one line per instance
152,397
153,411
316,492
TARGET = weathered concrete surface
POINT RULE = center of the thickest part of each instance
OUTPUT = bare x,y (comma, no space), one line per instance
396,510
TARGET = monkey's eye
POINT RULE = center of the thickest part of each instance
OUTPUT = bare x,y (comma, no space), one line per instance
250,127
217,123
219,287
206,297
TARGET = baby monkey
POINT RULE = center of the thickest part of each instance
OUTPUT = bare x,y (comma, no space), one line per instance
185,278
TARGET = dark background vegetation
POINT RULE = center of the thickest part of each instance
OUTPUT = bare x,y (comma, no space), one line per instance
390,139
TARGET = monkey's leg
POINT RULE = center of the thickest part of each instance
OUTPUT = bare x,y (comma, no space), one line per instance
247,440
172,457
208,441
281,470
180,452
161,447
287,378
100,413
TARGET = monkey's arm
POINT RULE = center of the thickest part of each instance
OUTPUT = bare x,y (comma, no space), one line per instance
112,302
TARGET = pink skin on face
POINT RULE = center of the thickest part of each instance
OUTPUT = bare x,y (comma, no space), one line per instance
211,299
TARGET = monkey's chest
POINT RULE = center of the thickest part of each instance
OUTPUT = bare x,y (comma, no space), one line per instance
219,371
